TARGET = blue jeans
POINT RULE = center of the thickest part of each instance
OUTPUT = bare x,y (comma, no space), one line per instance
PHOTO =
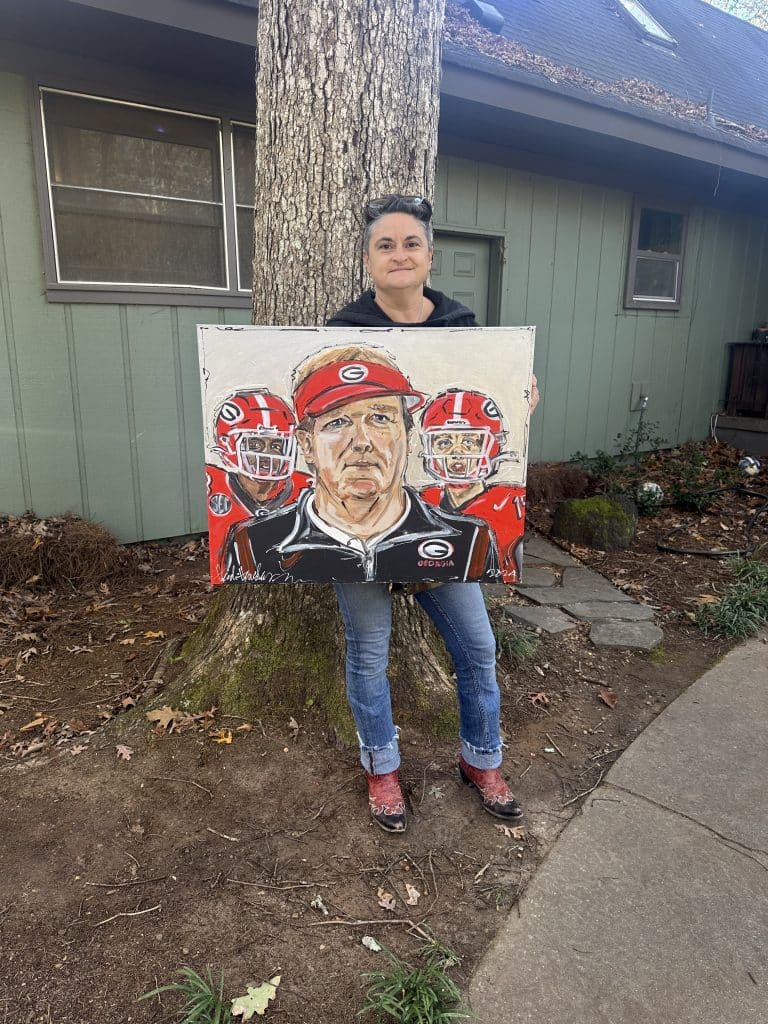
458,611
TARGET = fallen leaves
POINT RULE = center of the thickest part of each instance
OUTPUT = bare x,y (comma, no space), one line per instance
256,1000
516,832
413,895
608,697
124,753
386,900
539,700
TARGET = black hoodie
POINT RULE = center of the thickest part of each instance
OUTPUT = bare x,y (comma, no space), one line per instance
364,312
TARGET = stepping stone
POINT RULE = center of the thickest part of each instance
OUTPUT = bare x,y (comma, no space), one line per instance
614,633
550,620
592,589
496,590
537,547
538,576
597,611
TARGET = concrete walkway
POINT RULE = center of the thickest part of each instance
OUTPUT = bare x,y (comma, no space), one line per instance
652,906
565,593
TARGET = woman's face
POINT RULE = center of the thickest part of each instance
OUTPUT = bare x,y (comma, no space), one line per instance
398,256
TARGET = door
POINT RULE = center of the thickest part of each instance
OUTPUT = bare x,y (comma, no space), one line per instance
461,268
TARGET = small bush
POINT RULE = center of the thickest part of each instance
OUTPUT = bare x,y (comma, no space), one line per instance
743,608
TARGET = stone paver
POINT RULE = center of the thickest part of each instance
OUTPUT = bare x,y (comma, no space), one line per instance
548,553
538,576
550,620
617,633
597,611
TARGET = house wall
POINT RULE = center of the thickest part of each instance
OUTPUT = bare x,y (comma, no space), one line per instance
565,253
99,404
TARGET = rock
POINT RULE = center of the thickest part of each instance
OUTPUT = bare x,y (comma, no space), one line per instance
538,576
549,620
598,611
544,552
601,522
615,633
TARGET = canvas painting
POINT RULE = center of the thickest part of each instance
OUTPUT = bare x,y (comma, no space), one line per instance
359,454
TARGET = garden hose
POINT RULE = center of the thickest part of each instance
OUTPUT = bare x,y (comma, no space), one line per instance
664,545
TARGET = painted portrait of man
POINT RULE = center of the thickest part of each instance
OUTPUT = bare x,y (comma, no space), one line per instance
361,520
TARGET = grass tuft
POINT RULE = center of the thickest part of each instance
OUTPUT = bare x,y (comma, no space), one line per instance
424,994
515,643
205,1004
743,608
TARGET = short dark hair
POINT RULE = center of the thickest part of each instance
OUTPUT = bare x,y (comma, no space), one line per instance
415,206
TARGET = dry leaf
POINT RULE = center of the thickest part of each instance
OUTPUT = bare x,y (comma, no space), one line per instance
386,900
34,724
165,717
538,700
221,735
413,895
293,726
124,753
245,727
608,697
129,641
257,999
77,726
511,831
152,634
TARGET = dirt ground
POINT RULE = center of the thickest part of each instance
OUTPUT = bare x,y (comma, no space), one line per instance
128,852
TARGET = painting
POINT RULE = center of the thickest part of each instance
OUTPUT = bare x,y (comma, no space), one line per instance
365,454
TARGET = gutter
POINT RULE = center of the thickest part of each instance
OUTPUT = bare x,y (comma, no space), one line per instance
470,76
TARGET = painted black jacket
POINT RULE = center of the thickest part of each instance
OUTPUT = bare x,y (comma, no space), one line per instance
364,312
430,544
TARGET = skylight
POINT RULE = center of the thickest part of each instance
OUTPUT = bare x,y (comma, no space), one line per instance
650,27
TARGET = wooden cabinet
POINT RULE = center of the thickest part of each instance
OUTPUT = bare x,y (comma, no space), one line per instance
748,380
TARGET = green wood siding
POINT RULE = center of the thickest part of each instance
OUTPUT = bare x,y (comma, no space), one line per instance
565,247
99,404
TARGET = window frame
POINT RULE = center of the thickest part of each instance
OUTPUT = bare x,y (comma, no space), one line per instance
57,290
654,302
667,40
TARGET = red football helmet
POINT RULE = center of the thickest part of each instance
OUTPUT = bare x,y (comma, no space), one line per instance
463,434
255,435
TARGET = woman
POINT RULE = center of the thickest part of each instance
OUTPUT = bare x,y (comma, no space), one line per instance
397,252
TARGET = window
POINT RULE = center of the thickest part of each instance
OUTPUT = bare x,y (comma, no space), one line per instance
649,27
244,171
139,198
656,257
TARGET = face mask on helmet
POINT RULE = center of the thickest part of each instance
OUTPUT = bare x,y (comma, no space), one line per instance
459,454
264,455
255,435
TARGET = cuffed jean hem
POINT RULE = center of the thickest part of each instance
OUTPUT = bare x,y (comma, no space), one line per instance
480,758
380,760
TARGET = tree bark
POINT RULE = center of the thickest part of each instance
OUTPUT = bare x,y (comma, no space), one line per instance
347,102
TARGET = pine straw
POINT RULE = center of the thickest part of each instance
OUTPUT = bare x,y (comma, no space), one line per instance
58,550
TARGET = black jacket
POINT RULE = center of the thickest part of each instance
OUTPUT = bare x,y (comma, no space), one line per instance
430,544
364,312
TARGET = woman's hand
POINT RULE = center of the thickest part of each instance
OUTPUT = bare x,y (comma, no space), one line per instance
533,401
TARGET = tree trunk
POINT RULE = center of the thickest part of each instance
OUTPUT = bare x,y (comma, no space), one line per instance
347,101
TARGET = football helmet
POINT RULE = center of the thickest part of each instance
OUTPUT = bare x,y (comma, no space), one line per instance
255,435
463,434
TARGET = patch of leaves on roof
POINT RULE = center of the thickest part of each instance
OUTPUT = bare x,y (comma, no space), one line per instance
463,32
